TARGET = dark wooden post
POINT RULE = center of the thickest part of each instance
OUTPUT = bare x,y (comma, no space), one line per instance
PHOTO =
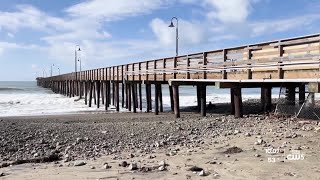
175,89
171,98
98,93
90,93
198,98
290,96
106,95
262,98
232,101
203,95
85,92
238,103
156,96
117,96
268,99
102,91
134,97
140,96
160,98
94,93
302,93
147,97
122,87
107,91
129,96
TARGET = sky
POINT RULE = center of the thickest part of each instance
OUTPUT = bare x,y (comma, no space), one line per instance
34,34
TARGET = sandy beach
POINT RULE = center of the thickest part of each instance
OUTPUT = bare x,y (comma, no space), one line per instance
145,146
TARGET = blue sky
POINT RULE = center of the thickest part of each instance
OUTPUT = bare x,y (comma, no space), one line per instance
37,33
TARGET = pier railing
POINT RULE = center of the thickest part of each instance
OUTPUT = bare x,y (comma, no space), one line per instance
275,60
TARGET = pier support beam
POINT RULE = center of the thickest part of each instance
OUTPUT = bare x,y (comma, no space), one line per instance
302,93
85,92
98,93
232,101
148,96
102,92
238,111
198,98
140,96
156,96
122,94
117,97
290,95
160,98
134,96
203,98
90,93
171,98
129,96
266,99
175,89
106,105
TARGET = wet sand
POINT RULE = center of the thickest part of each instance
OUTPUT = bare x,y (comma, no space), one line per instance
147,140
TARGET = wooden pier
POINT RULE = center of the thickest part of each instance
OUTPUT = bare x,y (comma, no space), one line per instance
291,63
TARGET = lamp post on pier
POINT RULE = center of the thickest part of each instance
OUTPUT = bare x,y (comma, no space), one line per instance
77,48
51,69
177,32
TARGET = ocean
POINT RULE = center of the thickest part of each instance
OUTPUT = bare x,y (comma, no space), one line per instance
27,99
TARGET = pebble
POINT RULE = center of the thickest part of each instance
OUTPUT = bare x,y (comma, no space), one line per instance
106,166
92,167
162,163
317,129
257,155
79,163
162,168
202,173
247,134
123,164
133,166
2,174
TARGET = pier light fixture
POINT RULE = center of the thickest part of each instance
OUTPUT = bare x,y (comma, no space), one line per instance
177,32
77,48
51,69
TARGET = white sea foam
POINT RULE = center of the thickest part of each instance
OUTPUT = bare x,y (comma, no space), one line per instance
32,100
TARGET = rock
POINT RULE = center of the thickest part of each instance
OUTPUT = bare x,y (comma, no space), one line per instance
123,164
36,155
202,173
236,132
79,140
162,168
2,174
259,142
216,175
133,166
195,169
92,167
162,163
257,155
79,163
247,134
233,150
106,166
317,129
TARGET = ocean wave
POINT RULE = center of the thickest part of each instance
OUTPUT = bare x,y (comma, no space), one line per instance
11,89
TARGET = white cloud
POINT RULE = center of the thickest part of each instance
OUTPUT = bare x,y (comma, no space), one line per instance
10,35
230,11
189,32
113,10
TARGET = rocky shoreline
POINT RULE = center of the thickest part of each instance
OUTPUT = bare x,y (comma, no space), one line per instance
80,138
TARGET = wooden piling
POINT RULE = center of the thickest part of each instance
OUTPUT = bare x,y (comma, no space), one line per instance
134,97
117,97
302,93
171,98
238,111
122,95
90,93
232,101
129,96
102,91
203,95
140,97
160,98
85,92
290,96
267,93
198,98
98,93
156,102
175,90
